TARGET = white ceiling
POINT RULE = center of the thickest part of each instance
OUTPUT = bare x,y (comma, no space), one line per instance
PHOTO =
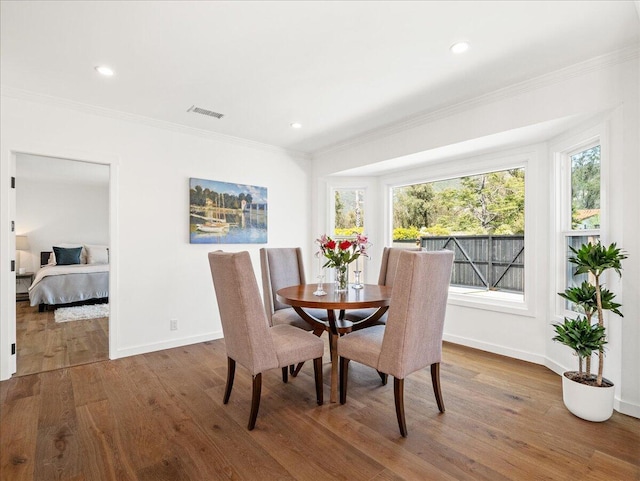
339,68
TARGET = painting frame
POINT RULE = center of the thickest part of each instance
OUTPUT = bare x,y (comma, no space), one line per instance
227,213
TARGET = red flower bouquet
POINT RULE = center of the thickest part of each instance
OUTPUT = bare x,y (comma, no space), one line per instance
340,254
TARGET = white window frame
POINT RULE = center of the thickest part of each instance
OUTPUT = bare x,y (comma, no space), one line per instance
562,152
347,183
525,158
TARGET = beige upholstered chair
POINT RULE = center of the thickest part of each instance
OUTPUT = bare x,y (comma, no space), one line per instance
283,267
248,337
412,337
389,263
388,268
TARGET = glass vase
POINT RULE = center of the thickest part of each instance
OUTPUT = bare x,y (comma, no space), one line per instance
342,277
356,281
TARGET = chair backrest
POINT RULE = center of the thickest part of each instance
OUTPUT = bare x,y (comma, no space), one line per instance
244,323
389,264
413,334
281,267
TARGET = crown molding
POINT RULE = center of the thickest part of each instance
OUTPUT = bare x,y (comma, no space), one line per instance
622,55
30,96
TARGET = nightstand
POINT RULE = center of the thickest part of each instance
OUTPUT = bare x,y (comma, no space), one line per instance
23,282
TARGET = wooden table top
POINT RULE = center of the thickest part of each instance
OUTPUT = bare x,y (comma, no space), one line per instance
371,295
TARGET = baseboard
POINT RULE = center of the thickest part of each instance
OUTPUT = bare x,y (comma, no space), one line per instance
627,408
555,367
496,349
159,346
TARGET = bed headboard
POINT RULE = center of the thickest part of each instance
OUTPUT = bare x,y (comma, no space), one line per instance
44,258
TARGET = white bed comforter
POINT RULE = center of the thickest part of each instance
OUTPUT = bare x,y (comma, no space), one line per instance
56,285
71,269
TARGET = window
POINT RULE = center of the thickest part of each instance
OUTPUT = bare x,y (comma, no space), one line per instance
479,217
585,189
348,220
582,209
349,212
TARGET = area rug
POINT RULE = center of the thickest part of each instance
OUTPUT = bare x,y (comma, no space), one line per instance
78,313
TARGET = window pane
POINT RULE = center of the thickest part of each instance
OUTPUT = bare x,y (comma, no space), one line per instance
349,220
585,189
491,203
479,217
349,212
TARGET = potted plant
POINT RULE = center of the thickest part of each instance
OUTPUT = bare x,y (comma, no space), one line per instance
585,395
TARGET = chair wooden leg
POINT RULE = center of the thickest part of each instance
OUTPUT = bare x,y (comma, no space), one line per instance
292,369
231,372
435,380
317,371
296,370
255,400
344,375
384,377
285,374
398,394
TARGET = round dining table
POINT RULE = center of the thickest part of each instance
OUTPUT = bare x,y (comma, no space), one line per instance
371,296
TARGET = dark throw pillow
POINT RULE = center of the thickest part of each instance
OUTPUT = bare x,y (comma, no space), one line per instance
67,256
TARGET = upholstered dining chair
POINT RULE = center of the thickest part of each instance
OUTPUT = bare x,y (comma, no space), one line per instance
388,269
249,339
283,267
412,336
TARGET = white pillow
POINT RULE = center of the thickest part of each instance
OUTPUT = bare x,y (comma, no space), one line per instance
97,254
83,253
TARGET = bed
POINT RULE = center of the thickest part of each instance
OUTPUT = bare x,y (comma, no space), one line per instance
58,284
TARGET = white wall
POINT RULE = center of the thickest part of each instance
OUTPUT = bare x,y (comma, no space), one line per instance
54,213
158,275
606,88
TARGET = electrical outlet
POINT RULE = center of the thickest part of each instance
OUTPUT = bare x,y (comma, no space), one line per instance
173,324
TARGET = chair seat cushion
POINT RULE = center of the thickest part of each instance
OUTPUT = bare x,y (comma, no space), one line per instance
357,315
294,345
290,317
362,346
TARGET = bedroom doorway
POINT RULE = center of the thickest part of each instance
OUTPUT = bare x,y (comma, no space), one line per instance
62,203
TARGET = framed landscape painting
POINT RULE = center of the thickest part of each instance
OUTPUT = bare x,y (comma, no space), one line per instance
226,213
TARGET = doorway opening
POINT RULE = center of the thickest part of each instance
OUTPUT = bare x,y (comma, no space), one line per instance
62,277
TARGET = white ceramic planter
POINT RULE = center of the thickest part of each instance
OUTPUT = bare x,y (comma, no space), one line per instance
587,402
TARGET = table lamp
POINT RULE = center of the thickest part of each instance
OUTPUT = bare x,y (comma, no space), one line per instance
22,244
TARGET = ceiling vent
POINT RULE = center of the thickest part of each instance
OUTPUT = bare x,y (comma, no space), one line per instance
210,113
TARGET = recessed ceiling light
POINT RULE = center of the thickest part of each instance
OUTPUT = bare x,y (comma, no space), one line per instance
295,125
459,47
104,70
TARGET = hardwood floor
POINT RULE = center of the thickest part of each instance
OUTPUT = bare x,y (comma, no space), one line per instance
160,416
44,345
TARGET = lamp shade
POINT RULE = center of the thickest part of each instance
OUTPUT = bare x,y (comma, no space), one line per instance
22,243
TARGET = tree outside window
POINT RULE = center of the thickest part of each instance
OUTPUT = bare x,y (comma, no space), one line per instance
585,189
349,212
489,203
